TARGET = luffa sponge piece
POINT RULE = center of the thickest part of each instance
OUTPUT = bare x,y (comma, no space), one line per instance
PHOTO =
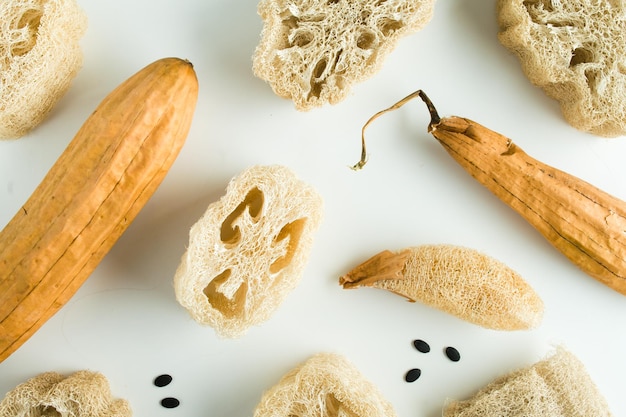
39,57
248,250
460,281
326,385
81,394
314,51
558,386
575,51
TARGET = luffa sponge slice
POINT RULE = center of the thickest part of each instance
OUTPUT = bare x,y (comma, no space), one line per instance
314,51
81,394
39,57
558,386
576,52
325,385
248,251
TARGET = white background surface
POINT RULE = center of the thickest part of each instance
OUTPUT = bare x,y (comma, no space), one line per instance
125,321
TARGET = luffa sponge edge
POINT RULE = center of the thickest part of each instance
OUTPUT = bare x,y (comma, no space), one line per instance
325,385
314,51
575,51
249,249
39,57
81,394
558,386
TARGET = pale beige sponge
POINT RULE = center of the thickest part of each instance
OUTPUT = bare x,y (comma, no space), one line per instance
558,386
81,394
325,385
575,51
40,55
249,250
460,281
314,51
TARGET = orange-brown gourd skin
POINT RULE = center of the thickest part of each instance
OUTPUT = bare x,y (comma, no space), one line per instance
91,194
583,222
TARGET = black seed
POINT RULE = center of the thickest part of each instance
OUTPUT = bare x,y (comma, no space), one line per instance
162,380
170,402
453,354
412,375
421,346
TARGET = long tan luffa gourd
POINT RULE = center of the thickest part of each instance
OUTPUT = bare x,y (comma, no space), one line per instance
583,222
91,194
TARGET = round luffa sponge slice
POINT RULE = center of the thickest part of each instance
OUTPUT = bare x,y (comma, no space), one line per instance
576,52
326,385
558,386
81,394
314,51
249,249
39,57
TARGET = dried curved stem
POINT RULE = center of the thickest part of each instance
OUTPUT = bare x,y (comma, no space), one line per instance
434,119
